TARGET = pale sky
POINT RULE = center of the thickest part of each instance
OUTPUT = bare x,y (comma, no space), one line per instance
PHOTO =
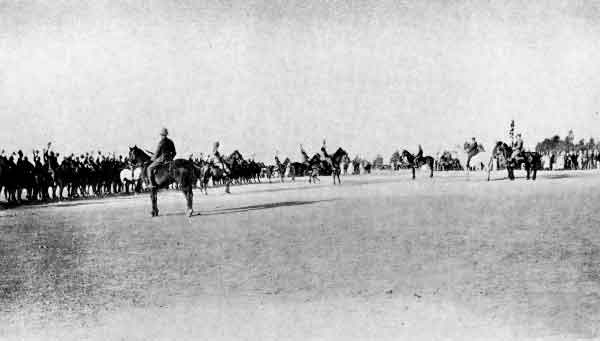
370,76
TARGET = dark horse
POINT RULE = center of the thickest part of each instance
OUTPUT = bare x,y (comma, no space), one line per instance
531,160
179,171
7,179
415,163
313,165
231,166
335,160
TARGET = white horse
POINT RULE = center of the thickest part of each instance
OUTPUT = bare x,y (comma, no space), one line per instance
131,176
478,159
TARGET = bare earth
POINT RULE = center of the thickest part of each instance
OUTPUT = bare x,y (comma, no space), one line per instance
379,258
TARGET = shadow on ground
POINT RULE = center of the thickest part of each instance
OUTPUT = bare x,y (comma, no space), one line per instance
249,208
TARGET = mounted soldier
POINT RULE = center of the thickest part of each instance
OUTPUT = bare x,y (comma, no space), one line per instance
517,147
472,149
419,154
165,152
473,146
37,160
20,160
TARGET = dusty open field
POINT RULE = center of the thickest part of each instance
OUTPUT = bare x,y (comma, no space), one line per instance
379,258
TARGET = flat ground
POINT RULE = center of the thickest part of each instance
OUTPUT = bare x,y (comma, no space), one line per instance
379,258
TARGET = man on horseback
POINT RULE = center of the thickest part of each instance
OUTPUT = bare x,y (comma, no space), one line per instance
472,149
517,147
165,152
419,155
473,146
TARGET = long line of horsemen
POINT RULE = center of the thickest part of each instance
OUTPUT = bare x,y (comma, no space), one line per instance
45,178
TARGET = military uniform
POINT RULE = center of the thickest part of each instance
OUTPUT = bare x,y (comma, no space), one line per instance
517,148
474,147
419,154
165,152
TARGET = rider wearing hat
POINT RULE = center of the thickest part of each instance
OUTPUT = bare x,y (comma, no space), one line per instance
20,164
419,154
165,152
517,147
473,146
473,149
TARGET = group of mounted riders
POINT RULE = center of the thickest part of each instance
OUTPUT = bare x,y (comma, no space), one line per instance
513,157
88,174
82,175
78,175
161,169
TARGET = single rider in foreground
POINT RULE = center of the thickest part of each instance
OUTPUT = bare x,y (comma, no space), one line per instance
419,154
165,152
517,147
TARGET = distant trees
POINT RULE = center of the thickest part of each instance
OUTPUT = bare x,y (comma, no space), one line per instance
556,144
378,162
396,160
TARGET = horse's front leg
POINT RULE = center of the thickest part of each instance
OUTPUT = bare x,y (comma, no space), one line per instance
227,184
189,197
154,201
413,173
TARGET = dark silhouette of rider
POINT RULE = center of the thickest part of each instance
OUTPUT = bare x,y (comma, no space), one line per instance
165,152
20,160
473,150
474,146
419,154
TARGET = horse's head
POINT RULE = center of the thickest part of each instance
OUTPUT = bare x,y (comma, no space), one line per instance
406,155
132,153
236,155
502,149
137,156
339,155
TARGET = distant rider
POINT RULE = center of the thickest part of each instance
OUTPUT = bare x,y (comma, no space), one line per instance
165,152
472,151
419,154
474,146
517,147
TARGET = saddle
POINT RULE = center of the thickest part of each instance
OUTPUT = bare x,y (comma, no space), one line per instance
418,161
168,165
520,157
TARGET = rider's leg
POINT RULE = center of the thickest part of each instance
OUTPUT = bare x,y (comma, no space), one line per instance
515,154
150,172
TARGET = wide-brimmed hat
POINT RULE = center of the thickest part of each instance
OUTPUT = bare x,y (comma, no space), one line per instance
164,132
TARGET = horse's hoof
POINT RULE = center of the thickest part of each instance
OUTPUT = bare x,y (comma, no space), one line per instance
190,213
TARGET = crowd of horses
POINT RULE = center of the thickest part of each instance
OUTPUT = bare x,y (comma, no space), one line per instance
73,178
70,178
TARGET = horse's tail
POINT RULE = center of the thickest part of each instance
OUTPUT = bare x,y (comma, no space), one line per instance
430,162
